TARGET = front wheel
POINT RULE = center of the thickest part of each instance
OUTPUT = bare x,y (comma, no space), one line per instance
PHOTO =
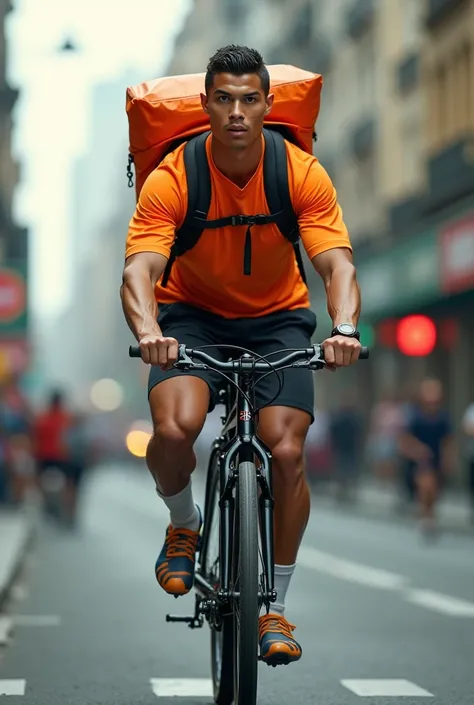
246,578
222,640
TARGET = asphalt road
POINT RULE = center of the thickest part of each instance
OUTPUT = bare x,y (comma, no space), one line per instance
375,608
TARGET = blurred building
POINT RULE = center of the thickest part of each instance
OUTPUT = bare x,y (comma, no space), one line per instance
94,334
413,150
13,239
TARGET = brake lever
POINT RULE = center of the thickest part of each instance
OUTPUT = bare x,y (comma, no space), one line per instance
183,362
190,365
317,362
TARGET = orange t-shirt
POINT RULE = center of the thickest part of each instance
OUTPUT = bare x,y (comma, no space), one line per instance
211,274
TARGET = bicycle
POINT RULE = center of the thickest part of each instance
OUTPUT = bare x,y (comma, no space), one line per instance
234,574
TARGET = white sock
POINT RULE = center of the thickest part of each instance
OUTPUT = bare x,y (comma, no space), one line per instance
183,512
283,575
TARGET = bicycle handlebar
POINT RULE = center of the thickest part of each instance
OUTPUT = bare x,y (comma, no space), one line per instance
312,357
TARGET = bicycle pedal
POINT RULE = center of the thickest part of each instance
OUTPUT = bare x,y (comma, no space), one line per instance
192,621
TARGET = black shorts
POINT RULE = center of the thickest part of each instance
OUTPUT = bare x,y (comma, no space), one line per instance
284,329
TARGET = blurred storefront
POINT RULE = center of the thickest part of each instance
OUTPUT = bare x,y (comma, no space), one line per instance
424,259
431,274
14,342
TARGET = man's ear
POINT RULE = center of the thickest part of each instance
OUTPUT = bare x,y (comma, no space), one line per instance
269,101
204,100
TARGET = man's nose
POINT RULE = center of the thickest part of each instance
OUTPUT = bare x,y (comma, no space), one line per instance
236,110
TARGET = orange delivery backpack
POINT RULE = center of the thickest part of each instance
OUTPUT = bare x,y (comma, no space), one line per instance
164,113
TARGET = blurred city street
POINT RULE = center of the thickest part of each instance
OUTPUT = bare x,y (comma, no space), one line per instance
371,600
383,593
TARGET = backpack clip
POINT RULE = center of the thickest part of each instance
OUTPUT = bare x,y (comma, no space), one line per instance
250,220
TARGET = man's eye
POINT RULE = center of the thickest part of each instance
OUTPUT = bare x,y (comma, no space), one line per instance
250,99
223,98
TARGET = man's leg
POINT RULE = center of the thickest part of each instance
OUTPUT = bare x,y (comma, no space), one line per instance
284,430
283,427
178,406
179,402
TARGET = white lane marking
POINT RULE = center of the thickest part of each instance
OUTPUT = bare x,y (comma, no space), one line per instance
12,687
348,570
6,627
37,620
385,580
444,604
386,688
182,687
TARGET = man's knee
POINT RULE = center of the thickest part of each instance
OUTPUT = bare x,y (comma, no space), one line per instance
176,433
288,456
178,409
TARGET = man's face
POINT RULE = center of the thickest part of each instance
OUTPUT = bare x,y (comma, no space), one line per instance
236,106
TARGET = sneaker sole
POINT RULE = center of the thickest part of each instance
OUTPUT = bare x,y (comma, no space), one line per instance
279,660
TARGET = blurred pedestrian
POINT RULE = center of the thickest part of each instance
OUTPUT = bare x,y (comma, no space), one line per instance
78,460
318,453
16,467
346,433
468,428
428,443
51,451
386,423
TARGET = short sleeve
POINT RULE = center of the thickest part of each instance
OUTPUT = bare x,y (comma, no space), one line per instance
159,213
320,218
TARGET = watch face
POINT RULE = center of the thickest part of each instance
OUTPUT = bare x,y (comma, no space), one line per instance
346,329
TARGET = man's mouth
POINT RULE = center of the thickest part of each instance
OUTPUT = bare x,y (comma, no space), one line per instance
237,128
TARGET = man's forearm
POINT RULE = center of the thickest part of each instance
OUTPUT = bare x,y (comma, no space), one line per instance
343,294
139,303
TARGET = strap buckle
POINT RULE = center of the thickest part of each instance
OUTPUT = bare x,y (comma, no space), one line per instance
239,220
259,219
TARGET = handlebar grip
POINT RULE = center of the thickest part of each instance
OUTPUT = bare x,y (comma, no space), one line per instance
364,353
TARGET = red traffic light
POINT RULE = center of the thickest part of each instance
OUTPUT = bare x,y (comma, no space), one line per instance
416,335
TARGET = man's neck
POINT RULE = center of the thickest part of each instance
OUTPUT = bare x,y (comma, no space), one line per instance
237,165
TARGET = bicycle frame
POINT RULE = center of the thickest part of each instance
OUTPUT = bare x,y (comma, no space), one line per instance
242,446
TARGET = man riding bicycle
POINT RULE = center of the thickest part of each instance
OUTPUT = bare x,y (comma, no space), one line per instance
209,300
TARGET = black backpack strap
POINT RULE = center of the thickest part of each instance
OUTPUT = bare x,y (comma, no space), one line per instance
198,180
277,191
275,172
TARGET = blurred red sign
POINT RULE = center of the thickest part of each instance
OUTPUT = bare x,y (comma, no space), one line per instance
457,255
12,295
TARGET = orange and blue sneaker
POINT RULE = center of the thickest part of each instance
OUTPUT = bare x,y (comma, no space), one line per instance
174,568
277,645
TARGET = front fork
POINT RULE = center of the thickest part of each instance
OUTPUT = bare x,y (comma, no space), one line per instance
239,450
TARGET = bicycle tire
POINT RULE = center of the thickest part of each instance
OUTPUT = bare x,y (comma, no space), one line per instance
222,641
246,574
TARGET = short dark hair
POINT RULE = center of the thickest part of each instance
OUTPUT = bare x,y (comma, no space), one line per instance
237,60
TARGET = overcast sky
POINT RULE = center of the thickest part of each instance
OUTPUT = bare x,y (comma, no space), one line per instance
51,116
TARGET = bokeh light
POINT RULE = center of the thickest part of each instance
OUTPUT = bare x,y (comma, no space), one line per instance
416,335
137,442
106,394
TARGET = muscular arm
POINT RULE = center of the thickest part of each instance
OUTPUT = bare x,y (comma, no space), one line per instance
140,275
338,273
